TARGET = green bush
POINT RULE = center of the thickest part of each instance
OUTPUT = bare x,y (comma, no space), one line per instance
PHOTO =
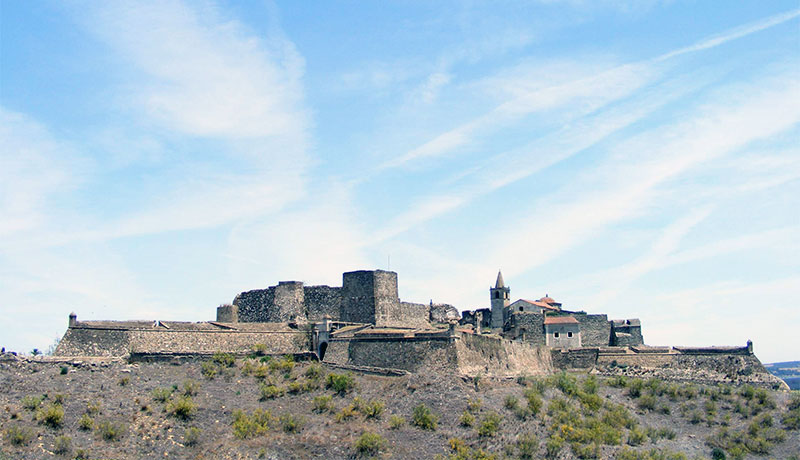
527,445
369,444
81,454
553,446
52,415
490,425
322,403
271,392
18,435
64,370
510,402
619,381
717,454
794,401
637,437
534,401
791,419
590,384
474,405
396,422
345,414
86,422
635,388
373,409
647,402
466,419
31,403
93,407
181,407
291,423
110,431
566,383
62,445
124,381
209,370
422,417
284,365
191,437
256,423
259,349
190,388
340,383
161,394
315,372
223,359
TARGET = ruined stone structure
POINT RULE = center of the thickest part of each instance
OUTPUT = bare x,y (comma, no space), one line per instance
364,325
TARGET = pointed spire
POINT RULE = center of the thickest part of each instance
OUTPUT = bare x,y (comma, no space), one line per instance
499,283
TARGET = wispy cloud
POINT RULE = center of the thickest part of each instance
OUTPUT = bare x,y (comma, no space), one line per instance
588,94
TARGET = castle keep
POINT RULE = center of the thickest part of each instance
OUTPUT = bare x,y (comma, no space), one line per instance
364,325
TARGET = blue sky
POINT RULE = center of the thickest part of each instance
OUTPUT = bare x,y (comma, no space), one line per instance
636,158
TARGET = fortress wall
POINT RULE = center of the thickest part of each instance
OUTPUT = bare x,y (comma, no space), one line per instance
581,358
405,315
338,351
358,297
323,300
288,302
528,327
500,358
595,330
256,306
93,342
411,354
209,342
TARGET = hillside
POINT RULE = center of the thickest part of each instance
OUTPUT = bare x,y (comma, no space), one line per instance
789,371
274,408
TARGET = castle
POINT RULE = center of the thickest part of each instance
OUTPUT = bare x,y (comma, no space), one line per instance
364,325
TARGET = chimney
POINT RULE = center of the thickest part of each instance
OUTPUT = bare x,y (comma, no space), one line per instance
73,319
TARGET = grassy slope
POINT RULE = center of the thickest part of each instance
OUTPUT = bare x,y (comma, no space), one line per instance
681,421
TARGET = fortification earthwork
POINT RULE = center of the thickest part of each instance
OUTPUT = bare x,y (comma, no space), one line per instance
363,325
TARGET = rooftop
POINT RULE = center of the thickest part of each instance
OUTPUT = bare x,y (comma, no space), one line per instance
560,320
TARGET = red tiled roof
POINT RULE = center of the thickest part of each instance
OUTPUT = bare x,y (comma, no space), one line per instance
539,303
547,299
560,320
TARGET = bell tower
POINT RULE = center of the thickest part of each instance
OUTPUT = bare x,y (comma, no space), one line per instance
500,297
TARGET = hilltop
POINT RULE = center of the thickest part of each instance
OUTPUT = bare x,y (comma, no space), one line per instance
788,371
275,408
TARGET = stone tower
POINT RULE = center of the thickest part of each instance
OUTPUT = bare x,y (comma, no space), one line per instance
500,296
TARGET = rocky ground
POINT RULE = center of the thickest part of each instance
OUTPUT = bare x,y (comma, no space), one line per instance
188,410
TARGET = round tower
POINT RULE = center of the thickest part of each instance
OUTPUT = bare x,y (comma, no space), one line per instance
500,297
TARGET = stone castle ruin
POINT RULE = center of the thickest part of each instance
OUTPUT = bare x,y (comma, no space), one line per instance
364,325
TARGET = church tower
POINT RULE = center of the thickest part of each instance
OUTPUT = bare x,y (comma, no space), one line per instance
500,296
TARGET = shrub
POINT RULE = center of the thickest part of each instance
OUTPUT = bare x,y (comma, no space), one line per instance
566,383
322,403
209,370
31,403
466,419
93,407
259,349
510,402
110,431
590,384
553,446
345,414
717,454
52,415
647,402
64,370
19,435
534,401
191,436
224,359
86,422
62,445
794,401
635,388
422,417
271,392
527,445
490,425
190,388
791,419
369,444
81,454
340,383
620,381
474,405
124,381
284,365
315,372
291,423
373,409
636,437
247,426
396,422
590,401
161,394
182,407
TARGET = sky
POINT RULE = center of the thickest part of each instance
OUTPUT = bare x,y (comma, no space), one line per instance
634,158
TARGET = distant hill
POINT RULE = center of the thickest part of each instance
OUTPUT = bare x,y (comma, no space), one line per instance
789,371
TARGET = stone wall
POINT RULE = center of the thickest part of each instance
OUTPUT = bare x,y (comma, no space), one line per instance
443,313
323,300
626,332
256,306
288,302
411,354
408,314
527,326
187,342
228,314
93,342
358,297
482,355
584,358
595,330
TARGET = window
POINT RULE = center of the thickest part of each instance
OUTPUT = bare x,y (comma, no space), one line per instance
496,295
520,308
569,334
555,334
